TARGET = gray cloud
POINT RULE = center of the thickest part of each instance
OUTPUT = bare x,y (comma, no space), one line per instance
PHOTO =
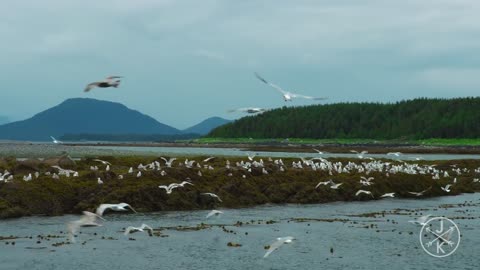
197,57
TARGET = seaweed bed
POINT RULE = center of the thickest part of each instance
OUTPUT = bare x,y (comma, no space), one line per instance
47,196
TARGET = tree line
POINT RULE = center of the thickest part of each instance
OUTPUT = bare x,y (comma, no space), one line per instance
420,118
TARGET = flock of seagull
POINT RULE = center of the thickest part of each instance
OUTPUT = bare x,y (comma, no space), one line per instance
366,166
113,81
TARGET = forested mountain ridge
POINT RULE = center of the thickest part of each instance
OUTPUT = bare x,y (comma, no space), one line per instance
411,119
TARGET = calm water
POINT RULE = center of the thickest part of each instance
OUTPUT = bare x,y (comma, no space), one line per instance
355,247
41,150
238,152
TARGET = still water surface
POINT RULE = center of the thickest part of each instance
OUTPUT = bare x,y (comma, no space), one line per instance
389,245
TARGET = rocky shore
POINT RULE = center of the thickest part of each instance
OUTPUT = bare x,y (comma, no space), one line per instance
238,182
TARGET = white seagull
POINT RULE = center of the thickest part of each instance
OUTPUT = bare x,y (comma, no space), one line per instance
208,159
421,220
391,195
287,96
361,191
115,207
214,212
170,187
329,182
336,186
132,229
418,194
212,195
55,141
88,219
169,162
359,155
103,162
250,110
107,82
280,241
446,188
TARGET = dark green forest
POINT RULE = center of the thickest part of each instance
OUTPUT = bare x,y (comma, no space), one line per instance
411,119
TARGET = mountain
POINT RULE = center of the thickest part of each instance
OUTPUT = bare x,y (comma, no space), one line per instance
84,115
412,119
4,120
207,125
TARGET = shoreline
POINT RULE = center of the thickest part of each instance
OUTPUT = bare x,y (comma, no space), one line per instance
307,148
237,187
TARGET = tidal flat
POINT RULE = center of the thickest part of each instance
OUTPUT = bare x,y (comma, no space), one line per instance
57,186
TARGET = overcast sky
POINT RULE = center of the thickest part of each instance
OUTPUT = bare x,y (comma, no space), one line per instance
184,61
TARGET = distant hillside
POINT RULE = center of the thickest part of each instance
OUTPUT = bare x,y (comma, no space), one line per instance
412,119
207,125
84,115
4,120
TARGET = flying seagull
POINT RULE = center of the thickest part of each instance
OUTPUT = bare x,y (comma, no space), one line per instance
421,220
88,219
214,213
418,194
132,229
391,195
361,191
287,96
212,195
107,82
103,162
248,110
446,188
55,141
280,241
114,207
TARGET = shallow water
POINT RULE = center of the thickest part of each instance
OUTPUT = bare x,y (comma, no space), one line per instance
40,150
238,152
354,246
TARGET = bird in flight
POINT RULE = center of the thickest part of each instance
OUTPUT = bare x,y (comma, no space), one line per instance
88,219
418,194
287,96
250,110
421,220
55,141
110,81
114,207
142,228
214,213
275,245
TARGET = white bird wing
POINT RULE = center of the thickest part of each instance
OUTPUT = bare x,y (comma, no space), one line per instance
113,77
145,226
213,212
90,86
275,245
127,205
293,95
129,229
103,161
102,208
271,84
208,159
